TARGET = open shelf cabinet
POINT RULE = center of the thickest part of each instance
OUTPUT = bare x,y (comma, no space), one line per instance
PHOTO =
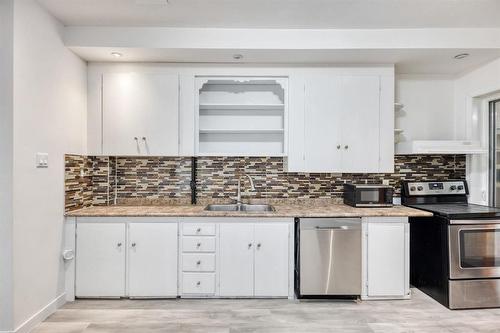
241,116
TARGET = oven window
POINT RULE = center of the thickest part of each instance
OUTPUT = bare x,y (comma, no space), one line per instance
369,195
480,248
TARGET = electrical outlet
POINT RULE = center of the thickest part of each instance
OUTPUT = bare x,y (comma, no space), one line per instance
385,181
42,160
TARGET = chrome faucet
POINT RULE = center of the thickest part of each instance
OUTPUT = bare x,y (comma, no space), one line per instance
252,186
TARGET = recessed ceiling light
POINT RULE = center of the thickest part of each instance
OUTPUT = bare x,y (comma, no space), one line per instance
116,54
237,56
461,56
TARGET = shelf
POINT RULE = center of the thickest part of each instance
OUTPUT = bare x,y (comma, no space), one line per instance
242,107
241,131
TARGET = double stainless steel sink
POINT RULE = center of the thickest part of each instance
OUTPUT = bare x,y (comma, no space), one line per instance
240,208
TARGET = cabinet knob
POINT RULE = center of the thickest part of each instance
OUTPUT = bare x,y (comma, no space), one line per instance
346,147
136,138
198,230
134,244
259,245
198,283
198,262
338,146
249,245
143,138
198,245
119,244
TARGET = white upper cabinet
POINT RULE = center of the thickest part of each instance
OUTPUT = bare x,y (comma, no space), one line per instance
360,119
140,114
322,124
341,122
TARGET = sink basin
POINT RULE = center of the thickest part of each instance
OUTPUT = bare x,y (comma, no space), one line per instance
240,208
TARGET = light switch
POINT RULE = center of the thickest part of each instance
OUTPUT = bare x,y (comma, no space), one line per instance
42,160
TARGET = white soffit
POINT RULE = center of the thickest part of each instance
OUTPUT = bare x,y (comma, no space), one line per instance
421,51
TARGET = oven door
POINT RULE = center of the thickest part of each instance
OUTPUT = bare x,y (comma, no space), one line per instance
474,250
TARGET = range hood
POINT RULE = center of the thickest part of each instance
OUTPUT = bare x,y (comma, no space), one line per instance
439,147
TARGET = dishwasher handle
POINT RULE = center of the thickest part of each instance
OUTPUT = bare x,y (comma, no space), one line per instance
343,227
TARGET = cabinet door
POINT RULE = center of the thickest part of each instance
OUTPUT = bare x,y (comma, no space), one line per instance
386,259
360,123
100,260
322,123
140,114
152,260
271,259
236,259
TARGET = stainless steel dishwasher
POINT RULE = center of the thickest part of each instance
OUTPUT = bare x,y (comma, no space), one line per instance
327,257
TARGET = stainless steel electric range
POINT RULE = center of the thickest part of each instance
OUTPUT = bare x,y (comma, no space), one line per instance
455,254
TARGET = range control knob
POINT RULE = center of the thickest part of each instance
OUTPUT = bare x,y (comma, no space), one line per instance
453,187
460,187
420,188
412,189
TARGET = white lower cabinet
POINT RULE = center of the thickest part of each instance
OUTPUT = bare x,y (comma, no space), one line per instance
152,260
386,258
119,259
198,283
254,259
271,259
188,257
236,275
100,259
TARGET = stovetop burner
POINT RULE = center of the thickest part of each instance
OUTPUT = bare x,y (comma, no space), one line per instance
459,210
444,198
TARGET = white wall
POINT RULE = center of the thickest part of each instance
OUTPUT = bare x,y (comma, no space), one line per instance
6,110
472,91
49,116
429,107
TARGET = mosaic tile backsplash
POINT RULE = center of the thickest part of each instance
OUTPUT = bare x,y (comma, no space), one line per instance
98,180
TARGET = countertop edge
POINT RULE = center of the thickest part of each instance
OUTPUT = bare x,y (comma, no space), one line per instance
281,212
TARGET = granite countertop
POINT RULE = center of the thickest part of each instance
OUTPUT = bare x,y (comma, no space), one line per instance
282,210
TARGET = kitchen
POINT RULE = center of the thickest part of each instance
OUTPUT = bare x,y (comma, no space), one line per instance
168,170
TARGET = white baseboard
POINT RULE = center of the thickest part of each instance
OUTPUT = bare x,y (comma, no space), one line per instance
41,315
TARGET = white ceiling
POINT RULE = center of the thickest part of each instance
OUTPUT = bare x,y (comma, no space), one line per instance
333,14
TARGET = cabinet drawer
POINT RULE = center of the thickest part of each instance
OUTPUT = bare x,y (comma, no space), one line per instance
198,262
198,283
198,244
198,229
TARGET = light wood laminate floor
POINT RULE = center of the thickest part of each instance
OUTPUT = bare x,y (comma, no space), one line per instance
420,314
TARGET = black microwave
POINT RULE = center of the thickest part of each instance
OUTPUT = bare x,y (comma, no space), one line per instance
368,195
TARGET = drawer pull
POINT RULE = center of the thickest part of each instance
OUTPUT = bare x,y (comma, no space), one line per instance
198,245
134,244
198,283
198,262
198,230
119,244
259,245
